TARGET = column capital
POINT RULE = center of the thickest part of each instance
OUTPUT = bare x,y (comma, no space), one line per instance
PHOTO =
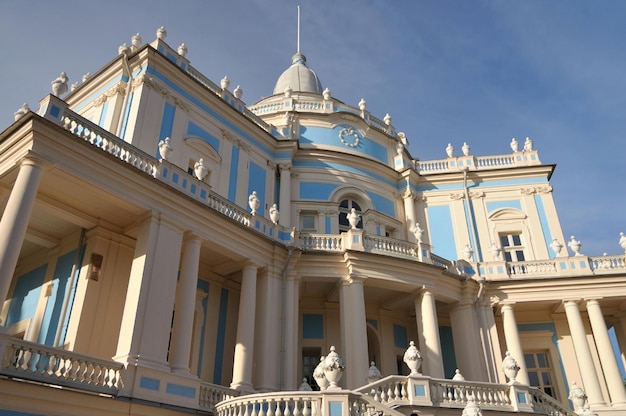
284,166
191,236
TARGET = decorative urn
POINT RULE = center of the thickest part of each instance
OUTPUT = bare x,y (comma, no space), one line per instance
556,246
182,50
574,245
466,149
274,214
319,376
326,94
225,83
353,219
238,92
305,386
333,368
468,252
418,232
471,409
514,145
373,374
362,104
622,241
528,144
458,376
495,251
253,202
199,170
510,368
577,396
164,148
450,150
161,33
413,359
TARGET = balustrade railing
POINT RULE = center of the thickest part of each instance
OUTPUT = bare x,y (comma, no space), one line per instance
56,366
272,404
538,267
607,263
451,393
544,404
323,242
386,245
494,161
211,394
389,390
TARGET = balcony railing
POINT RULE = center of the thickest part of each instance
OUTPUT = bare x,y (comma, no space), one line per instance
31,361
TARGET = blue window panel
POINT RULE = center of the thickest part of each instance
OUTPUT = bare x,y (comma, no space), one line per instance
312,326
400,338
447,351
419,390
494,205
232,180
335,408
382,204
178,390
442,233
197,131
545,225
167,122
221,337
149,383
256,182
26,295
317,191
54,305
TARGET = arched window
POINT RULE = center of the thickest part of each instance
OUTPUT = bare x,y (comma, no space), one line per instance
345,207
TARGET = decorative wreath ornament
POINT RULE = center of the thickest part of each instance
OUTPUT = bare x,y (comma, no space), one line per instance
349,137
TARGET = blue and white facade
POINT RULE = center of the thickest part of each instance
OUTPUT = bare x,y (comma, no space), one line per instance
167,248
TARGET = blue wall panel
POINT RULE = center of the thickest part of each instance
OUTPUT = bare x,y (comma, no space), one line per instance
232,180
316,191
195,130
56,300
221,338
441,232
26,295
545,226
494,205
256,182
331,137
167,122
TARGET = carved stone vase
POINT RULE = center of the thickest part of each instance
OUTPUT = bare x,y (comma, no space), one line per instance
578,397
318,374
510,368
333,369
253,202
413,359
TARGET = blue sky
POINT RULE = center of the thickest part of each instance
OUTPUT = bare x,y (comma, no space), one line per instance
458,71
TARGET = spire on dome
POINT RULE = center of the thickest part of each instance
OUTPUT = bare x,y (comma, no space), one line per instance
298,77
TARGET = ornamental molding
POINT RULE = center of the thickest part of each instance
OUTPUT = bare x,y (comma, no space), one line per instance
159,87
284,166
349,137
541,190
117,89
461,195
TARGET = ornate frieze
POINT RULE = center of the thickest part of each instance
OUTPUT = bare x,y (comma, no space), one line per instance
536,190
157,86
117,89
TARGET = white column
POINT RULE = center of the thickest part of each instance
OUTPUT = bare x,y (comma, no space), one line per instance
612,374
490,342
15,219
145,328
354,332
467,342
426,311
284,201
244,348
182,330
411,217
291,315
267,343
513,343
583,354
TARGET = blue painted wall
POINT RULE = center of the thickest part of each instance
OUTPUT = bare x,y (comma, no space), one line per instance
494,205
54,305
256,182
545,225
221,338
167,122
26,295
330,137
441,232
197,131
232,180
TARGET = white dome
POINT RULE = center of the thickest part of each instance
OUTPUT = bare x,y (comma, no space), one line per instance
298,77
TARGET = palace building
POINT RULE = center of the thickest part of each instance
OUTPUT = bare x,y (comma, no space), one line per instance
166,249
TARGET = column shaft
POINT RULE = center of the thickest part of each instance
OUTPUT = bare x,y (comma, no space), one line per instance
354,333
182,330
244,349
583,354
285,196
145,330
430,329
513,343
290,334
614,380
467,343
15,219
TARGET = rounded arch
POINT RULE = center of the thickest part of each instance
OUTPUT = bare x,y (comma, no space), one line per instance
351,192
503,214
347,200
199,146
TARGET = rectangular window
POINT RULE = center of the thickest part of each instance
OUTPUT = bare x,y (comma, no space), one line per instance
512,247
539,372
310,360
308,222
